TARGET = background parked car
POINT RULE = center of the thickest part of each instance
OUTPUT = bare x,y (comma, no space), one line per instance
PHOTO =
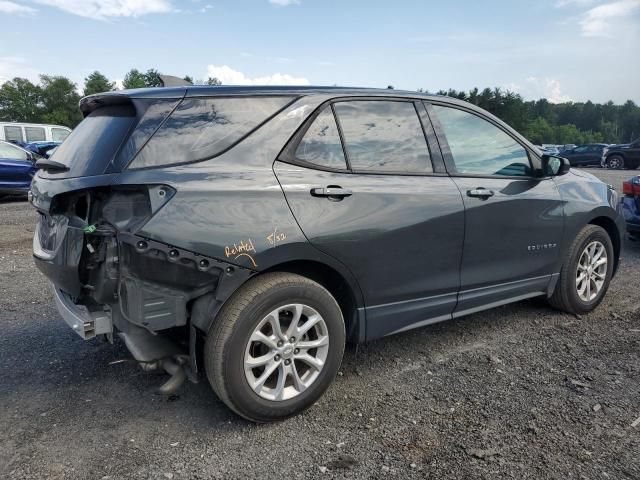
625,155
32,132
568,146
582,155
17,167
550,149
44,149
630,203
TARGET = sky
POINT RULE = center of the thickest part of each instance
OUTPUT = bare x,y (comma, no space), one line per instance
563,50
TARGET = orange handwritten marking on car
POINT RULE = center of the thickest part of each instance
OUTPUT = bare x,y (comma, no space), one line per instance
239,248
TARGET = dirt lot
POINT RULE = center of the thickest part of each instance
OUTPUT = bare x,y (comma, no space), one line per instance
517,392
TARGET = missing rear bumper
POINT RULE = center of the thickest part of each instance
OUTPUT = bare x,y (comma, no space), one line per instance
85,323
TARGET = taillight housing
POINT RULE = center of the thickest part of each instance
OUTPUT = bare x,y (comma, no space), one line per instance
631,187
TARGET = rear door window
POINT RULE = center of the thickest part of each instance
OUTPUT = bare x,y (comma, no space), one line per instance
200,128
13,133
321,143
383,136
35,134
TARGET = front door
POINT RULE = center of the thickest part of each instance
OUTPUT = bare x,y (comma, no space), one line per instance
514,220
377,206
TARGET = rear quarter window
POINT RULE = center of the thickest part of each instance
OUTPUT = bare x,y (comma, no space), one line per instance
201,128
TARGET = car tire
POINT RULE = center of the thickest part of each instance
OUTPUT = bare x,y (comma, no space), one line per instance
237,340
568,295
615,162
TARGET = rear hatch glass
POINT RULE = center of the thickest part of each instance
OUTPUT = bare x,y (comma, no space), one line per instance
93,144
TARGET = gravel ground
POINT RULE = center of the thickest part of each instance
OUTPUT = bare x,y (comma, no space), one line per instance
517,392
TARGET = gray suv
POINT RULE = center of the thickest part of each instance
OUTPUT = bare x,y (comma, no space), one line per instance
247,233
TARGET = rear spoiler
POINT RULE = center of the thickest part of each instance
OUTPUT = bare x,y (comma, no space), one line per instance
124,97
171,81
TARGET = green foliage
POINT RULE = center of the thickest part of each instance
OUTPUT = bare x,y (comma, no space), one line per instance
55,100
152,78
134,79
97,83
544,122
59,101
20,101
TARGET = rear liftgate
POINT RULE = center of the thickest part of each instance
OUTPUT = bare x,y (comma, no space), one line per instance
106,276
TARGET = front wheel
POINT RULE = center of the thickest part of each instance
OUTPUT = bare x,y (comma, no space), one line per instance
275,346
586,272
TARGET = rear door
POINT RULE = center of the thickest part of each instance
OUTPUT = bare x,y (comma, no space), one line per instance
514,219
361,181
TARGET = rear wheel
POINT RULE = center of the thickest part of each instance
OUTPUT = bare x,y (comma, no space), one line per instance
615,162
275,347
586,272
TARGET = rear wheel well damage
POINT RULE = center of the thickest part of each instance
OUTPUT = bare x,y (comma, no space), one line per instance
612,230
204,309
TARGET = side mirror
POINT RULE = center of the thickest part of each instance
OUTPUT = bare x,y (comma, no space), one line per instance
555,166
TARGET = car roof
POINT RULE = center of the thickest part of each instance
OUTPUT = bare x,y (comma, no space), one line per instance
92,102
214,90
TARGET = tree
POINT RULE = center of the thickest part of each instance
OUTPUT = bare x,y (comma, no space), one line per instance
213,81
60,101
97,83
187,78
539,131
152,78
20,101
134,79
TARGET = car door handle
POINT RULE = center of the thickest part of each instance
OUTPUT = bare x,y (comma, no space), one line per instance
331,192
480,193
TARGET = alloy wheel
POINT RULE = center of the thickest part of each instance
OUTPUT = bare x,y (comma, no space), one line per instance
591,271
286,352
615,163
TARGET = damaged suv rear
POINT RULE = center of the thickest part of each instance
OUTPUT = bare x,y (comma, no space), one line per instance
249,232
150,218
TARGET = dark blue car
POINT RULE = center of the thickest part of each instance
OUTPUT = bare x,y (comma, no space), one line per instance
17,168
631,205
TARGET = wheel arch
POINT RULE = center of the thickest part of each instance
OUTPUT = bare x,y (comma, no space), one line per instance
340,283
346,294
612,230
